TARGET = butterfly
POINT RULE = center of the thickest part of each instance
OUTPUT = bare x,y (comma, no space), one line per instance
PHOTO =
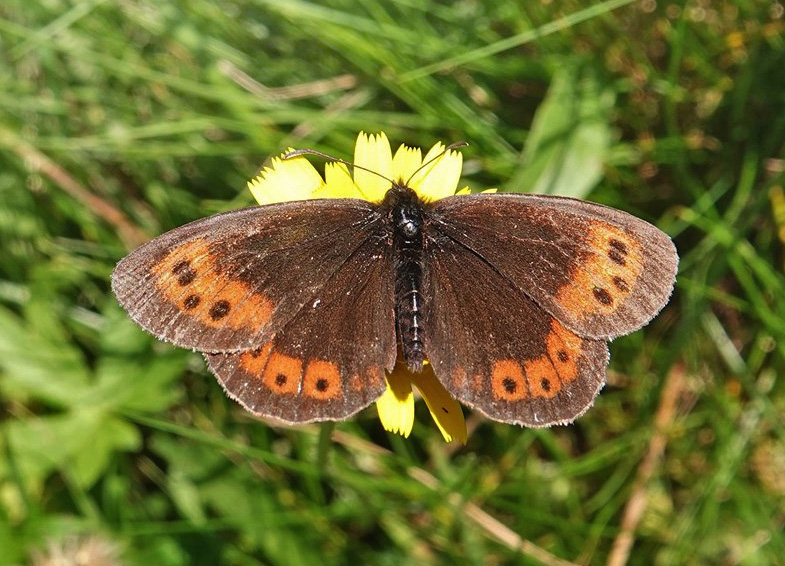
300,307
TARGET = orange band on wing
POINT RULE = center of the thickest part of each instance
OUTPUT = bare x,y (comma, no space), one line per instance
372,376
188,277
600,284
322,380
253,361
507,381
543,376
282,373
564,349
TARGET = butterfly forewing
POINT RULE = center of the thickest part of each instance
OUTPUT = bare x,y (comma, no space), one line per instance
231,281
599,271
329,361
495,350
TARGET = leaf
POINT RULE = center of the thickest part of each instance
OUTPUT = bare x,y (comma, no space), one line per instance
40,445
570,137
47,368
109,436
81,444
142,383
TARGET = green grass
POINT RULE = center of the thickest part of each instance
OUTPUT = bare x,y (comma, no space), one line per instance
120,120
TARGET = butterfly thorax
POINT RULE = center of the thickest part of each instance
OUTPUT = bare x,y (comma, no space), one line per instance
406,213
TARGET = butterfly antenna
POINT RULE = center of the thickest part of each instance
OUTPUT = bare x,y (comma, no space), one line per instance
298,152
450,147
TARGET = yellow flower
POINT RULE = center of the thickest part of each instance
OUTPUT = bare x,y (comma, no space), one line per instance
437,179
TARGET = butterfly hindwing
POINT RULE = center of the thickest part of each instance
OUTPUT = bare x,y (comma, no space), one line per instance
601,272
496,350
327,362
229,282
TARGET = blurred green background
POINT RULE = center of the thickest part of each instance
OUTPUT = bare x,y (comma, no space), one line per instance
122,119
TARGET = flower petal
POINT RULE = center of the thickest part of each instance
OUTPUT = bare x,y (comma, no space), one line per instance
468,191
396,405
338,183
440,178
405,162
373,152
445,410
285,180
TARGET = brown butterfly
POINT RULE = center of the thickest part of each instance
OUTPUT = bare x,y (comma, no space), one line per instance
299,306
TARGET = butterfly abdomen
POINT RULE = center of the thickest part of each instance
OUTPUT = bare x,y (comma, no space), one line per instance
406,213
408,305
